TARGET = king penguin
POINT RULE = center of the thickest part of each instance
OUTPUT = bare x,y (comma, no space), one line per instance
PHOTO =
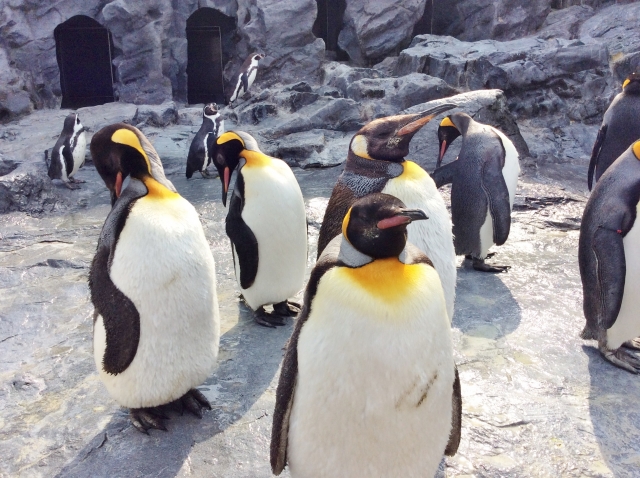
483,186
376,163
68,154
266,224
620,128
368,386
609,255
246,76
153,286
212,126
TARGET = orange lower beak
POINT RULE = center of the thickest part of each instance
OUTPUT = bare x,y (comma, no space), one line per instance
118,184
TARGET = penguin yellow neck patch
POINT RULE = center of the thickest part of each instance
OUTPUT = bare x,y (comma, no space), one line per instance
412,171
636,149
157,190
255,159
129,138
387,279
345,224
359,146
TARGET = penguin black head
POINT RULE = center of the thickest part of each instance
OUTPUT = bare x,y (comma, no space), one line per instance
376,225
72,124
226,155
388,139
210,111
632,84
257,57
450,128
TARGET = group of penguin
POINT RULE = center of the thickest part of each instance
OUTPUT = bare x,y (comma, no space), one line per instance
368,384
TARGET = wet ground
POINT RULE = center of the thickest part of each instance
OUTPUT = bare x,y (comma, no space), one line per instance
537,400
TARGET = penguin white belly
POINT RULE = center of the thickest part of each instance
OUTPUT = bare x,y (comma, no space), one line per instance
416,189
63,166
373,396
206,159
251,77
163,264
274,211
486,235
627,324
511,168
79,153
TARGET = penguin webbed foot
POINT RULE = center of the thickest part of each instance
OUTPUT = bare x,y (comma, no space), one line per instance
633,344
76,181
622,358
266,319
144,419
287,308
481,266
193,401
71,185
207,175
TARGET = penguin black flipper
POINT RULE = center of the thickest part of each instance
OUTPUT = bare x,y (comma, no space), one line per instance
245,82
289,371
456,418
119,314
341,200
597,147
68,158
444,174
242,237
196,152
495,187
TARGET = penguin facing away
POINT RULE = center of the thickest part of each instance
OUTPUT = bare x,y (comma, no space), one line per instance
153,286
609,255
620,128
212,126
376,163
368,385
246,76
68,153
266,224
484,179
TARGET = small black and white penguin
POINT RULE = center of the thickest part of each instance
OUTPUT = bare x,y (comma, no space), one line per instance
609,255
246,76
483,186
620,127
368,386
212,126
68,154
376,163
153,285
267,226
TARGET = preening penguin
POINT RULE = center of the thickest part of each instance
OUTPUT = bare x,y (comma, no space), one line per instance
67,155
368,386
484,180
153,286
609,255
267,226
246,76
620,128
376,163
212,126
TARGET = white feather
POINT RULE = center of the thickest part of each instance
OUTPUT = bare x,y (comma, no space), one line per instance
63,166
364,365
163,263
511,168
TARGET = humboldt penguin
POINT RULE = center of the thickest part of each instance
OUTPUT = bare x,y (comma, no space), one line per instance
609,255
620,127
212,126
67,155
376,163
153,285
266,224
368,386
246,76
483,186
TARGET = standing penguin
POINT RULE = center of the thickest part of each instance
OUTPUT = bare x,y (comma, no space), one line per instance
267,225
609,255
67,155
376,163
153,286
246,76
212,126
620,127
484,180
368,386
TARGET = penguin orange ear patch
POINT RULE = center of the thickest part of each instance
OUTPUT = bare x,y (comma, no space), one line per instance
228,136
636,149
129,138
345,224
359,146
447,122
626,82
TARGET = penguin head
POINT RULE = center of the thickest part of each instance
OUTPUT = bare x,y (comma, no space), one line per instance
376,225
388,139
632,84
226,155
72,124
210,111
636,149
450,128
256,57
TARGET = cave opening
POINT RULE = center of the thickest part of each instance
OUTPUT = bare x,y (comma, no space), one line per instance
83,51
210,45
328,25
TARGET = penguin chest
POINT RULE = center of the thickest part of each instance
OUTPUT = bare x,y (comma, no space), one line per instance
274,211
79,149
375,376
163,264
251,76
627,324
205,160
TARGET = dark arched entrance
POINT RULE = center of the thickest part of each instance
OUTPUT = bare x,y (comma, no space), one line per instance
83,50
208,33
328,25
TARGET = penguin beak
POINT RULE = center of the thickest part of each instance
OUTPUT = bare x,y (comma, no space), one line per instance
418,120
443,149
226,175
446,136
404,217
118,185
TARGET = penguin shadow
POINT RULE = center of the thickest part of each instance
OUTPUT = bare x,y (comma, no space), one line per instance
615,415
484,304
248,360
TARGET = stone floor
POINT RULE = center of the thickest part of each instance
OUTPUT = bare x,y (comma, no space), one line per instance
537,400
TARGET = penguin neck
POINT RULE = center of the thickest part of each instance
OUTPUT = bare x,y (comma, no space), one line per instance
352,257
633,88
156,190
255,159
373,167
